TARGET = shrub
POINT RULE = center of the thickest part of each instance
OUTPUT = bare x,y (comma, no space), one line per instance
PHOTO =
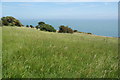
47,27
81,32
10,21
89,33
37,27
40,23
27,25
65,29
75,31
31,26
0,23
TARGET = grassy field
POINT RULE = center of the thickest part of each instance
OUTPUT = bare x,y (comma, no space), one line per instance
30,53
0,52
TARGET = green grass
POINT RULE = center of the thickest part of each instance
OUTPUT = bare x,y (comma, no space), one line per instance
0,52
30,53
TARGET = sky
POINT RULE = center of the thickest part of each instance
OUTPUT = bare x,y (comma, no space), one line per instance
59,0
61,10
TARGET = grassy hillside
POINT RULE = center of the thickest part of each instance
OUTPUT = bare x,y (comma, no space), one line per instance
29,53
0,52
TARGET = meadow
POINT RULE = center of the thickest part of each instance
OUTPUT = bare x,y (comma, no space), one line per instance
0,52
31,53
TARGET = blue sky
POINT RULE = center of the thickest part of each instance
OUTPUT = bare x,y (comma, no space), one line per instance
59,0
61,10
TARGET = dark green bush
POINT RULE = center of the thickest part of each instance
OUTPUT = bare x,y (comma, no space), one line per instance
65,29
47,27
0,23
10,21
27,25
37,27
89,33
40,23
75,30
31,26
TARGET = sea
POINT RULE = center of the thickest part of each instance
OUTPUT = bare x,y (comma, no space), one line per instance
101,27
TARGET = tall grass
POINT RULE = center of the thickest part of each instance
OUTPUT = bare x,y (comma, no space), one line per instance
30,53
0,52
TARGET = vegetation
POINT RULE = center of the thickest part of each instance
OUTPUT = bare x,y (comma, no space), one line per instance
75,30
0,52
45,27
0,23
41,23
37,27
89,33
65,29
31,26
27,25
10,21
29,53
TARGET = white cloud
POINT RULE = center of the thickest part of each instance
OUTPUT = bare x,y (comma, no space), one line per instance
60,0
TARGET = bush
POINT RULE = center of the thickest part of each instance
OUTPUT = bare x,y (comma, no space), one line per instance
27,25
65,29
0,23
31,26
89,33
37,27
81,32
75,31
47,27
40,23
10,21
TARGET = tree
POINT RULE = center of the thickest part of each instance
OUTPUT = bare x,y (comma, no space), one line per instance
31,26
37,27
27,25
4,21
40,23
47,27
10,21
65,29
0,23
75,30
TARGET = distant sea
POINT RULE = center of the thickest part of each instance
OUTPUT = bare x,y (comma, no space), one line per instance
97,27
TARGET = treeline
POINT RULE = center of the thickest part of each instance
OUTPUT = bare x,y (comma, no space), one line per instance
11,21
46,27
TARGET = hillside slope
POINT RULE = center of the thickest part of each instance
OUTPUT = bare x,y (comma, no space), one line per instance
0,52
30,53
